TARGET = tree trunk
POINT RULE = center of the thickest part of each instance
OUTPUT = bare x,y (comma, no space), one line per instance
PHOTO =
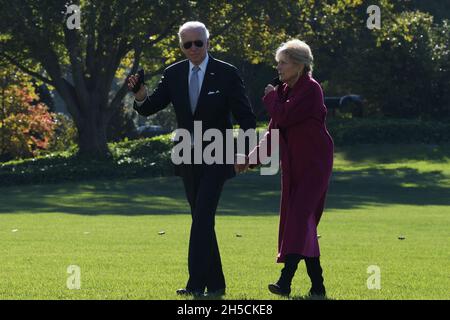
92,140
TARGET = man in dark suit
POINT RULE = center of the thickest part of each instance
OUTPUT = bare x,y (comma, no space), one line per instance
204,89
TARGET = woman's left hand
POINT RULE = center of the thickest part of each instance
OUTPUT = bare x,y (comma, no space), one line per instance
269,88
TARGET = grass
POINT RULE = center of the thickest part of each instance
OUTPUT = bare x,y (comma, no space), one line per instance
110,230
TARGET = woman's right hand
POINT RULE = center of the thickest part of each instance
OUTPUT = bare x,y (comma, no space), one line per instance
269,88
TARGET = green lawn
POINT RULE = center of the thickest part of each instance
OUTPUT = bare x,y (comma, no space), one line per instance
110,230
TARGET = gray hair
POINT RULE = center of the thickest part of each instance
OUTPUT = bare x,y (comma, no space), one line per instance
196,25
298,51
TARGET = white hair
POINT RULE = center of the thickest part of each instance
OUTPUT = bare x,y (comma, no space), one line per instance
298,51
194,25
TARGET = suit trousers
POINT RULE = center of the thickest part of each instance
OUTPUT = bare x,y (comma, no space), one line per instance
203,185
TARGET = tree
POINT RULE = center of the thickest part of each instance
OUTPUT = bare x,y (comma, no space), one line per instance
114,36
82,64
401,69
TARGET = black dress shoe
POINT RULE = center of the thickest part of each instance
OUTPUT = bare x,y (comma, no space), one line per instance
275,288
188,292
318,292
215,293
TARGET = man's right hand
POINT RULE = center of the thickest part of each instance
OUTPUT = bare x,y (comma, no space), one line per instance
142,93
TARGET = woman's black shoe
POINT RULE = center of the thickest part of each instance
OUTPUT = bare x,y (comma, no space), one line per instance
315,274
283,286
188,292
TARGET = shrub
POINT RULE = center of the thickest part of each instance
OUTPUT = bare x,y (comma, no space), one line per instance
25,130
137,158
151,157
392,131
65,135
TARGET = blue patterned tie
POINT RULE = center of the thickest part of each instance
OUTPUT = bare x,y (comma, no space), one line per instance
194,88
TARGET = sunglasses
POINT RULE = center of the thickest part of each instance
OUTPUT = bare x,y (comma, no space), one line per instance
188,45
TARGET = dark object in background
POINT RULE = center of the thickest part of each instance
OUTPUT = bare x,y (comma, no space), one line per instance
349,103
149,131
140,81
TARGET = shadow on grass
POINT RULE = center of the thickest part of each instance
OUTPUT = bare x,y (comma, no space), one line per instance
248,194
395,153
348,190
404,186
293,297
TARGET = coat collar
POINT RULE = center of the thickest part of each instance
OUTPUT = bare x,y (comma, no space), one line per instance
286,91
202,65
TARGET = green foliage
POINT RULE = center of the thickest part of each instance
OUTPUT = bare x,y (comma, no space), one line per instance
146,157
81,64
438,9
402,70
392,131
151,157
410,68
65,135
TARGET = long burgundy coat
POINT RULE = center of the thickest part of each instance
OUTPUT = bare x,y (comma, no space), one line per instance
306,154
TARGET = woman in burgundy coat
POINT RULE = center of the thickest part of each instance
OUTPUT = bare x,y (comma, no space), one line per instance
297,109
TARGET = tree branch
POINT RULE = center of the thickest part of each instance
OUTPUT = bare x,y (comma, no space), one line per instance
162,36
111,69
67,92
41,50
26,70
72,44
230,23
124,88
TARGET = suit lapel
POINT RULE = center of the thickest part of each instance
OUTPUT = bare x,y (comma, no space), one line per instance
184,86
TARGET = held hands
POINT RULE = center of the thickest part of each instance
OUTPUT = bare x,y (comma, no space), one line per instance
141,93
241,163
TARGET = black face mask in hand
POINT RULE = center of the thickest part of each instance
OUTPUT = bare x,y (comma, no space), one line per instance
140,81
276,82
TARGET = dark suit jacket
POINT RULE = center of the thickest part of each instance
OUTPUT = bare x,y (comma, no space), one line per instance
214,110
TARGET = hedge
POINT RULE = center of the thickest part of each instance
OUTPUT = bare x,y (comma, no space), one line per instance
151,157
